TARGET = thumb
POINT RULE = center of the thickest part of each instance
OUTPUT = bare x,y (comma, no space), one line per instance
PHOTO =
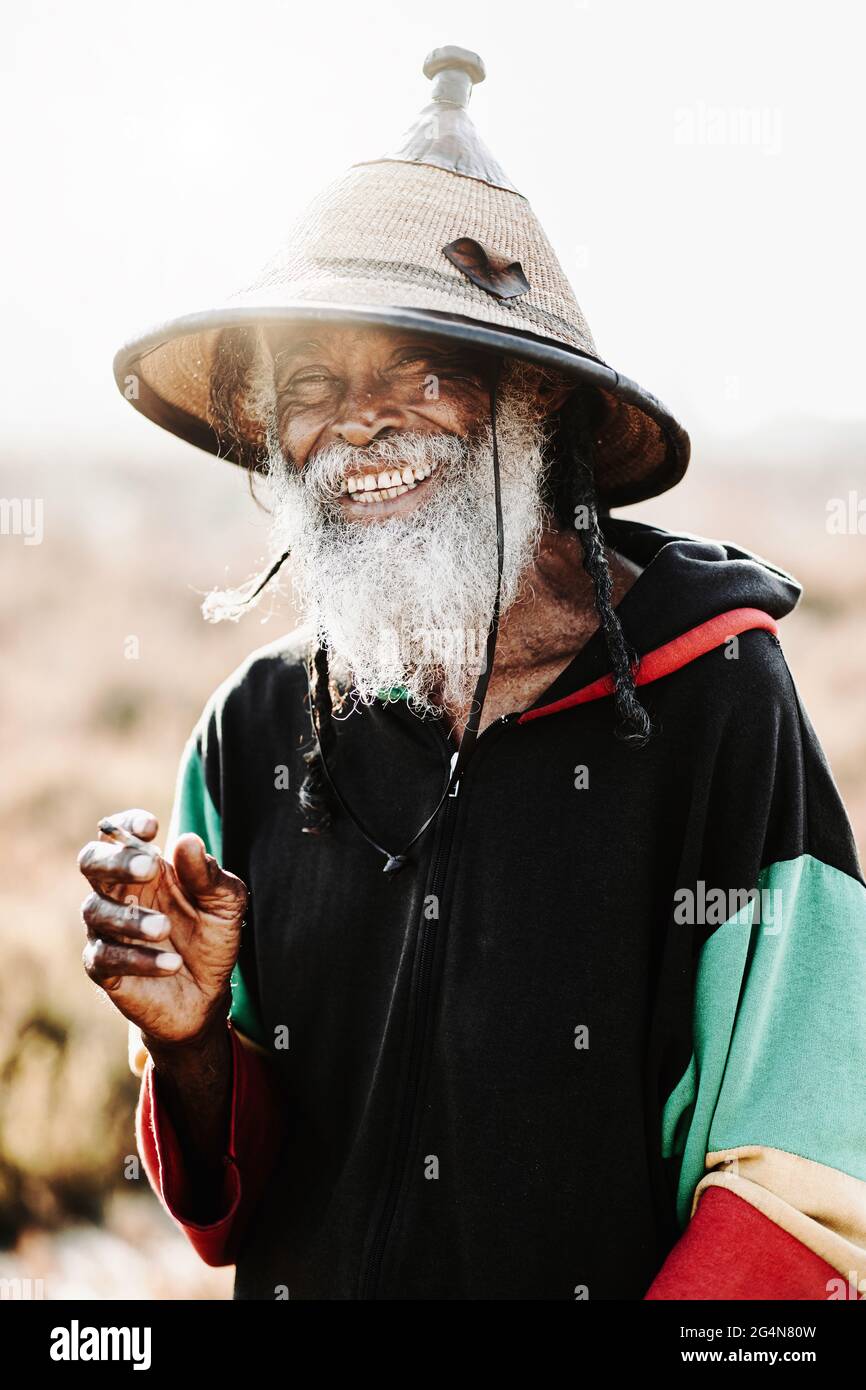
204,882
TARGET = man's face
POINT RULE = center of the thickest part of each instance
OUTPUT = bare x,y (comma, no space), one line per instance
360,386
379,426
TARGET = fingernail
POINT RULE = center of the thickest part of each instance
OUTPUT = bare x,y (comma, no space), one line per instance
141,824
155,926
141,866
167,960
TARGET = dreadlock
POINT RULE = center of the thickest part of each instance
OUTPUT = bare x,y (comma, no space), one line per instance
241,413
313,795
233,403
576,504
239,393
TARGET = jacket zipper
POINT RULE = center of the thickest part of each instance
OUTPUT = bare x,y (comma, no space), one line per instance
419,1011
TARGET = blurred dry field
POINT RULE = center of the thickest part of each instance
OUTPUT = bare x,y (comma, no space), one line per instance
107,665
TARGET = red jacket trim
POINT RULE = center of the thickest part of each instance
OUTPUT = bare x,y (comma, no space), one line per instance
664,660
730,1250
256,1131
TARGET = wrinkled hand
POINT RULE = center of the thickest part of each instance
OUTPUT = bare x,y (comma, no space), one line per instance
162,936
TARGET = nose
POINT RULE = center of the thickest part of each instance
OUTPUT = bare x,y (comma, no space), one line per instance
366,415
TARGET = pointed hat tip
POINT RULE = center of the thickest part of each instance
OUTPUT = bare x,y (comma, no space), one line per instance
454,72
443,135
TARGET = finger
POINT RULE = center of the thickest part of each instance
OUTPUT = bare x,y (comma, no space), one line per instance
106,963
138,822
107,917
191,865
105,864
201,877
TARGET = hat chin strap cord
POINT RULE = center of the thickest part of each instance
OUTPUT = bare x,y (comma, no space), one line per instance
394,862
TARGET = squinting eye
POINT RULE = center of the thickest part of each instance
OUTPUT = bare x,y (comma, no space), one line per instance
416,360
305,381
450,367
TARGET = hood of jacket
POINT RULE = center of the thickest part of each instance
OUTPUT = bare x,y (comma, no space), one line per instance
692,594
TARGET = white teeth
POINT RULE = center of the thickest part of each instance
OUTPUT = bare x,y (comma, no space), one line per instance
393,482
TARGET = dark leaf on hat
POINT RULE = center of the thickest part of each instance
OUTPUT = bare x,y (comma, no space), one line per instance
487,269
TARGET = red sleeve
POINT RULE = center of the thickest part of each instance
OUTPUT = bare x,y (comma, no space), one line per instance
730,1250
256,1130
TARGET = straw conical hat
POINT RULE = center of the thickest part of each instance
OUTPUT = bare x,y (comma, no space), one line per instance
431,237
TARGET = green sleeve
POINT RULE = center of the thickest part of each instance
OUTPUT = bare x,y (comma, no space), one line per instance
779,1030
194,811
778,1024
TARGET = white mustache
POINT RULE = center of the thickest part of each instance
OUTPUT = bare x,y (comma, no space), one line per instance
324,474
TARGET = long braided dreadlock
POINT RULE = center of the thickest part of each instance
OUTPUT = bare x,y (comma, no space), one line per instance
578,506
314,794
232,401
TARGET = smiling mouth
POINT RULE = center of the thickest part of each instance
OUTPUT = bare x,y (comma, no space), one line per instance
384,485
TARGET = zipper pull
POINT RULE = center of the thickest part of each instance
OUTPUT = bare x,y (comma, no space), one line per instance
455,788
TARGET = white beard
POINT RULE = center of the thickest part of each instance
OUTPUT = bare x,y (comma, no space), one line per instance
407,601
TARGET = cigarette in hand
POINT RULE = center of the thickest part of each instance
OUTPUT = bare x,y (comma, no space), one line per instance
126,837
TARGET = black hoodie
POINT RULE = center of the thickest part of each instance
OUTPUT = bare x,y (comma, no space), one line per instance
510,1065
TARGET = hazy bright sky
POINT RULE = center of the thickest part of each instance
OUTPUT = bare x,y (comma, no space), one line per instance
698,167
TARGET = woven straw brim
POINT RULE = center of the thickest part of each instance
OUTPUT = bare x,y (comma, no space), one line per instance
369,250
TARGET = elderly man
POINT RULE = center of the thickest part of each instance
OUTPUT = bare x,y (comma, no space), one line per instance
510,938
